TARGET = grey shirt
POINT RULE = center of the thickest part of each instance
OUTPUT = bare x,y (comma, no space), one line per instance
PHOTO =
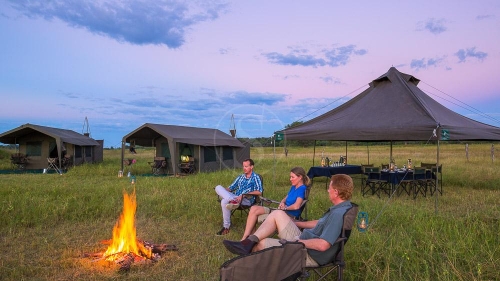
329,228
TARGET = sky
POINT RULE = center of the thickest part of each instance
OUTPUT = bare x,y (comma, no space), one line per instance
257,65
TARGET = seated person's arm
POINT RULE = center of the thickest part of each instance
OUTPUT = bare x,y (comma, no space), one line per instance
296,205
255,192
306,224
316,244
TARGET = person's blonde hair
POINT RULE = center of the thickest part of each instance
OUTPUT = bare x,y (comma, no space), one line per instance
299,171
344,184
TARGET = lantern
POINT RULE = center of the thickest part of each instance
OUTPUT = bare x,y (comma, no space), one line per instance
362,221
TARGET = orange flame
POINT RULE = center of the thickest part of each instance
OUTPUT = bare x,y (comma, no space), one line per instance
124,235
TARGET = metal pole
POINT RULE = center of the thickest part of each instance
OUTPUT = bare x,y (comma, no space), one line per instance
437,180
274,155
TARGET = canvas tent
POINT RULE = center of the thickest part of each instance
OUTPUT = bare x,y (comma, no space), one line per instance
40,143
211,148
393,108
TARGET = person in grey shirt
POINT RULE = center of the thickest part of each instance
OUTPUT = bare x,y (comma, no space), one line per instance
318,236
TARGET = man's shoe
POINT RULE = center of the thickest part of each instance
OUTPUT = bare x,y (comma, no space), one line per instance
223,231
233,204
243,247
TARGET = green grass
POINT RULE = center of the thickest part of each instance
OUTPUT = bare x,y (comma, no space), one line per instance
49,221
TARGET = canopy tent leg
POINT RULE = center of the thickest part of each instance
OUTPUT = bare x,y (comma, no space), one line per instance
346,152
314,152
437,179
368,153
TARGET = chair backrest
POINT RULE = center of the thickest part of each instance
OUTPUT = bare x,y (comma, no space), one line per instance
303,206
384,166
257,198
372,169
419,173
372,173
364,166
274,263
349,219
160,162
439,169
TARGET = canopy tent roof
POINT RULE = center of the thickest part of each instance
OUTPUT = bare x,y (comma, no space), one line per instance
147,133
393,108
66,136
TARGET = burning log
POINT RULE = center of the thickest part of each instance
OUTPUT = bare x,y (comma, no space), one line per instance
125,249
126,261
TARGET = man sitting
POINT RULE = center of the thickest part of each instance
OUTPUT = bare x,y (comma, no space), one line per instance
318,236
246,183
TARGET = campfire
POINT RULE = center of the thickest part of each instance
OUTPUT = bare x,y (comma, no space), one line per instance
124,248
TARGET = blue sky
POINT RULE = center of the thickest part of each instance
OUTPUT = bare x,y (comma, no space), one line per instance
121,64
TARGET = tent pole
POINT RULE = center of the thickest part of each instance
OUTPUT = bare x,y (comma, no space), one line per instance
368,152
437,180
390,159
314,152
274,155
123,153
346,152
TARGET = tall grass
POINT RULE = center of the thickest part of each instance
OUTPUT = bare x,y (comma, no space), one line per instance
48,221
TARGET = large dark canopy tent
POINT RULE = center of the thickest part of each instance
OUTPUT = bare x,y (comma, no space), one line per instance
393,108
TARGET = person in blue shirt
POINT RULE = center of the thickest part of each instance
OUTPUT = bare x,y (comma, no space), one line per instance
290,204
248,183
318,236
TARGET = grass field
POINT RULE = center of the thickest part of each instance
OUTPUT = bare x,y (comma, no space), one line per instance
49,221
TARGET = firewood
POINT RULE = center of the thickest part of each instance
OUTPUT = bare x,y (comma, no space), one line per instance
126,261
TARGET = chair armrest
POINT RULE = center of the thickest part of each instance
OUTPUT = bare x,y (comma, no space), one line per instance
268,201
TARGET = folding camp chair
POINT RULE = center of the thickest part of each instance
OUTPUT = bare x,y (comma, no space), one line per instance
253,198
419,182
188,167
323,271
288,261
19,161
53,165
285,262
374,182
159,166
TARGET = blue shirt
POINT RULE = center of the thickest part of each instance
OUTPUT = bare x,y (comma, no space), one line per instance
292,196
329,228
244,185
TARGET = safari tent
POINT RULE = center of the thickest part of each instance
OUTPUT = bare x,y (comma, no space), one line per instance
39,143
211,149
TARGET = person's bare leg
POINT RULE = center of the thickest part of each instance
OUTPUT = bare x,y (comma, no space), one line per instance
253,215
277,220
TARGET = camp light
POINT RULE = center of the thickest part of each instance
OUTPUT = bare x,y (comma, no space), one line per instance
362,221
184,158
